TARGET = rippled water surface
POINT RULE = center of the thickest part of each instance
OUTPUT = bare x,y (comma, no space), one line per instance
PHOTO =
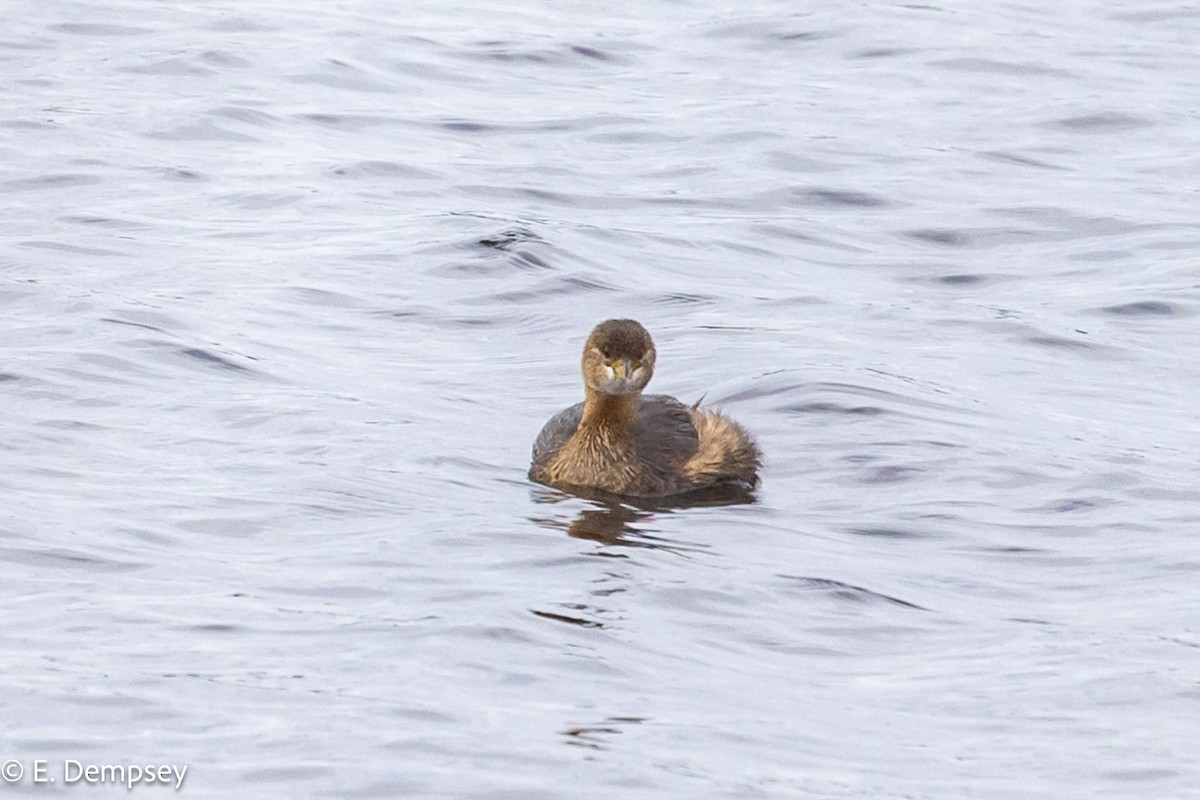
288,290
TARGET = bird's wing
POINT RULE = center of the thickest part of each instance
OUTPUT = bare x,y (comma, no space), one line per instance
556,432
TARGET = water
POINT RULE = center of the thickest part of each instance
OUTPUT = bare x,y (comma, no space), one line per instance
288,292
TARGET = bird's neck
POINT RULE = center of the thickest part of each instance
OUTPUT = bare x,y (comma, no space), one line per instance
609,412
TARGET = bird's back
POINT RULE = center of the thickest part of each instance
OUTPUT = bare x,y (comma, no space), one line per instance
671,449
663,436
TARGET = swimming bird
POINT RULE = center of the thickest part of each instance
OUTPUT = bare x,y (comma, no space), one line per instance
623,442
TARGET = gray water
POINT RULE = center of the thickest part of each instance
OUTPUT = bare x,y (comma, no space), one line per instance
287,292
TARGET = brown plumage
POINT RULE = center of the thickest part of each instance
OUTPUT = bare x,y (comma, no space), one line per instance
625,443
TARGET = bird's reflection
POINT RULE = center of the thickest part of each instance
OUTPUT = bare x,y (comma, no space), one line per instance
614,524
617,524
625,522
